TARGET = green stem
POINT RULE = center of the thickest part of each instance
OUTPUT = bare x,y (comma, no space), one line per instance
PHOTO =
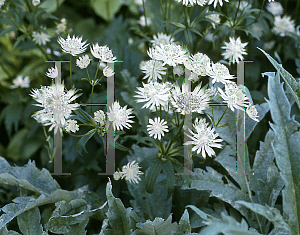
221,117
257,16
237,10
145,13
179,12
92,97
71,71
5,70
88,74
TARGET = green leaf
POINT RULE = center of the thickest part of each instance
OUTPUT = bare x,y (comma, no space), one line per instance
29,222
289,80
152,174
168,170
12,114
106,9
286,149
50,5
83,140
28,177
184,224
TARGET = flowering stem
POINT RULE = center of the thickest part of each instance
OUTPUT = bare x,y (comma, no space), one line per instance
92,97
257,16
88,74
145,13
221,117
49,144
71,71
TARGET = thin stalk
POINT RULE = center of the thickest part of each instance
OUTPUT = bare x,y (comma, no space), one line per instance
237,10
71,71
92,97
221,117
145,13
257,16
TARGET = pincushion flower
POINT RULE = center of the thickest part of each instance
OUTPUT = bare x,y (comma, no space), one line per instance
234,50
56,104
162,38
40,38
153,69
215,18
233,96
21,82
154,94
283,25
35,2
2,2
99,117
73,45
192,2
108,72
142,21
219,73
200,64
170,54
157,128
103,53
252,112
275,8
204,139
52,72
216,2
83,61
71,125
119,116
131,172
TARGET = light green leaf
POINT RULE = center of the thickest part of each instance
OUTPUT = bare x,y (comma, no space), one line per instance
152,173
106,8
29,222
184,224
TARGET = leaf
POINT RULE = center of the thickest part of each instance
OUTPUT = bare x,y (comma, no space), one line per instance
29,222
106,9
12,114
83,140
184,224
50,5
152,173
271,213
168,170
208,218
286,150
289,80
28,177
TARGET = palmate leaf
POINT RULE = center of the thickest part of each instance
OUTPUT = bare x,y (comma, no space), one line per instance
29,222
286,150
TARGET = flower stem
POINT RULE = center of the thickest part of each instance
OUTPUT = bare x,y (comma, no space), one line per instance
221,117
71,71
145,14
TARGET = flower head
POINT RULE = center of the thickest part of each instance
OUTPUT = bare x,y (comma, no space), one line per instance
71,125
153,69
219,73
52,72
35,2
142,21
275,8
252,112
103,53
283,25
192,2
234,50
99,117
21,82
83,61
216,2
162,38
73,45
157,127
119,116
204,138
108,72
200,64
2,2
215,18
131,172
40,38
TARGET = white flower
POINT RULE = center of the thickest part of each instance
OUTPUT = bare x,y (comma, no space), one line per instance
52,72
71,125
243,4
103,53
219,73
252,112
153,69
258,29
269,45
192,2
142,21
204,138
216,2
178,70
157,127
117,175
20,82
56,104
119,116
170,54
283,25
200,64
62,26
99,117
234,50
155,94
271,0
2,2
108,72
35,2
73,45
162,38
187,102
131,172
233,96
83,61
275,8
40,38
215,18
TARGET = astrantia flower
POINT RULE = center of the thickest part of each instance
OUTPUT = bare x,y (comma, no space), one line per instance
108,72
275,8
157,127
258,29
56,104
186,101
72,126
131,172
204,138
170,54
283,25
35,2
153,69
271,0
162,38
21,82
200,64
252,112
83,61
117,175
192,2
234,50
52,72
155,94
119,116
103,53
178,70
216,2
234,96
215,18
142,21
219,73
73,45
99,117
2,2
40,38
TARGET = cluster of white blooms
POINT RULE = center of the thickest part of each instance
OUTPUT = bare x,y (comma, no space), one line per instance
198,64
99,117
130,172
219,73
73,45
283,25
103,53
204,138
215,2
19,81
153,70
275,8
108,72
52,72
157,128
142,21
2,2
162,38
71,125
36,2
56,104
192,2
83,61
62,26
215,17
234,50
40,38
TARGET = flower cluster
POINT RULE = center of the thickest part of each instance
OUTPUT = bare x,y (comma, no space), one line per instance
130,172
